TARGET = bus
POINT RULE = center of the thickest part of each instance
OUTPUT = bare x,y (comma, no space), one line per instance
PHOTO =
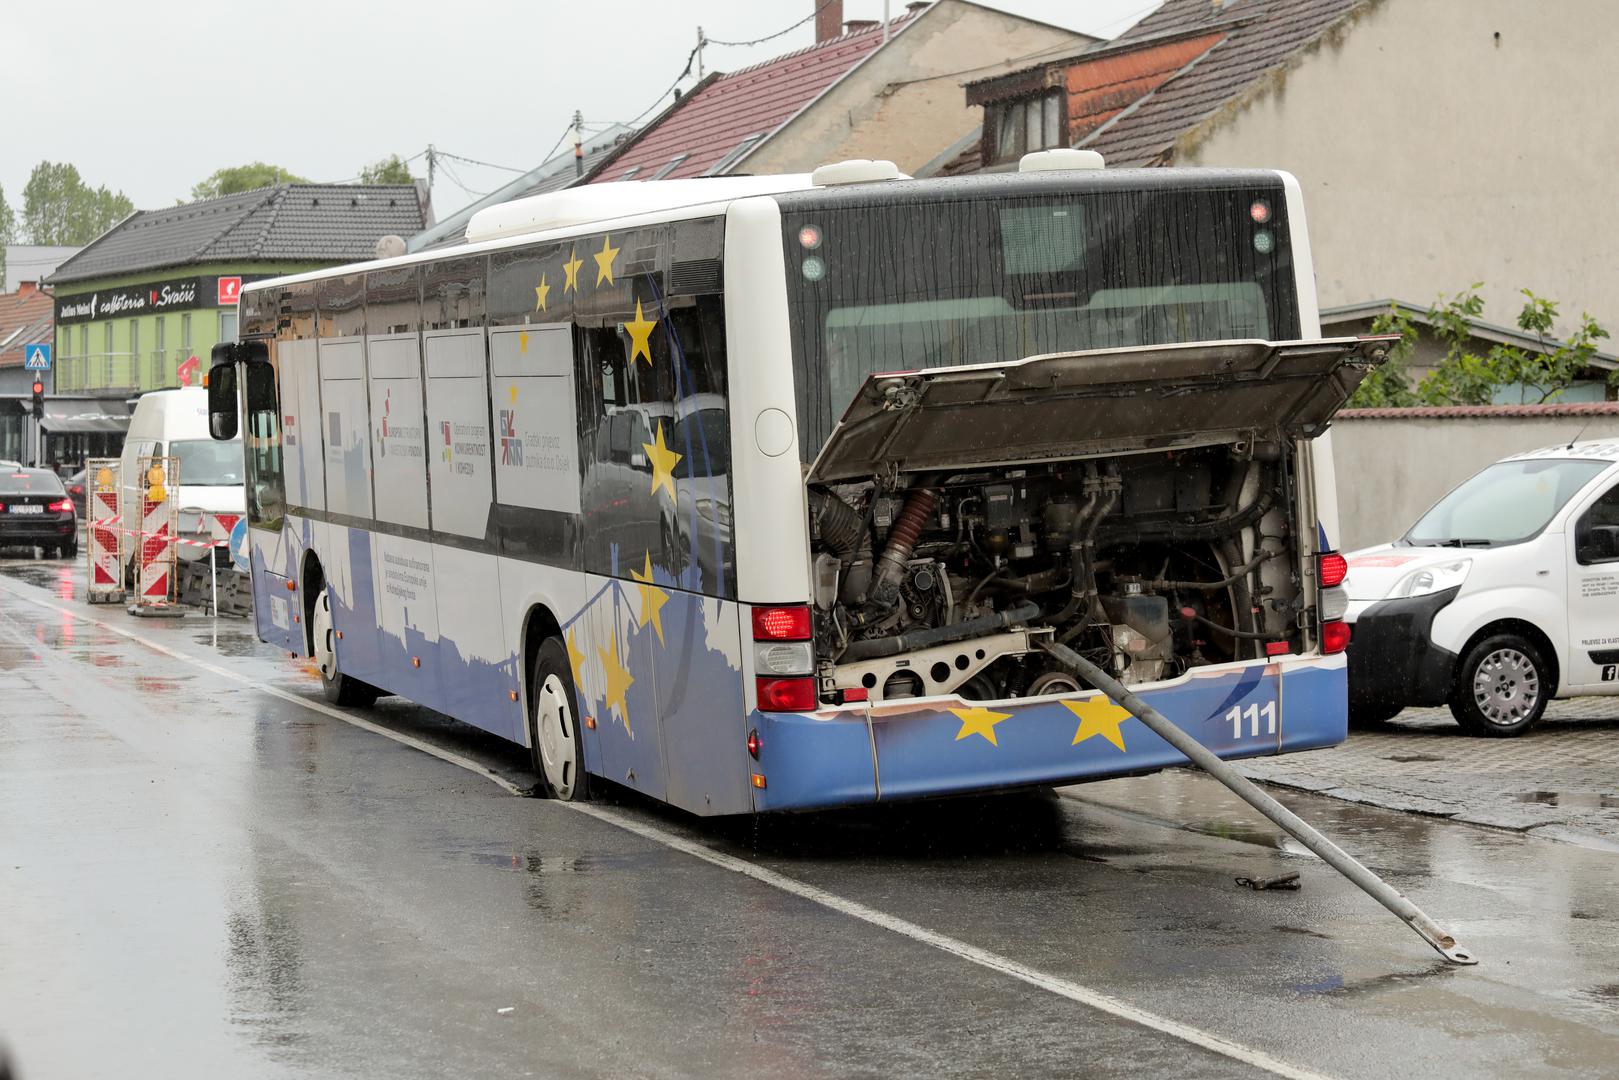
769,493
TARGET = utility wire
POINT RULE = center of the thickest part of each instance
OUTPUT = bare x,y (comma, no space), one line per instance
474,161
771,37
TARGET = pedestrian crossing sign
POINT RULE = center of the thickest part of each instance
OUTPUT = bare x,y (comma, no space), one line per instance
37,358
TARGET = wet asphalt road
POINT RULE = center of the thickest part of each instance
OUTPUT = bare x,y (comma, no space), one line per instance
201,878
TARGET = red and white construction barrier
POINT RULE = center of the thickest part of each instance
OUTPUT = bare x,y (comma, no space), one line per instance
158,479
105,571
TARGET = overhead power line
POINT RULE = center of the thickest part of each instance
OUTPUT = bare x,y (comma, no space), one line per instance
771,37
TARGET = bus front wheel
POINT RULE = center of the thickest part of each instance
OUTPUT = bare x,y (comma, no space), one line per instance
559,755
340,689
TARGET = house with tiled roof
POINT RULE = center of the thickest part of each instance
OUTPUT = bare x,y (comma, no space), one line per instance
25,319
863,89
1438,142
140,307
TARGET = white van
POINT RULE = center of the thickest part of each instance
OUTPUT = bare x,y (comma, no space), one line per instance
174,423
1503,596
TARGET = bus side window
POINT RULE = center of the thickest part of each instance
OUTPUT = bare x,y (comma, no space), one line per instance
266,491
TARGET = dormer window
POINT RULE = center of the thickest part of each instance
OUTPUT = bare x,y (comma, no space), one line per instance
1017,127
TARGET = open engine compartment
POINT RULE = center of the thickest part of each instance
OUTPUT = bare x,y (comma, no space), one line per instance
1149,564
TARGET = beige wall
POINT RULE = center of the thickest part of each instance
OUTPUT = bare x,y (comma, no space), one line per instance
1390,471
1433,154
868,116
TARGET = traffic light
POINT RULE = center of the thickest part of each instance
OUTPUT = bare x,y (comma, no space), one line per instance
39,400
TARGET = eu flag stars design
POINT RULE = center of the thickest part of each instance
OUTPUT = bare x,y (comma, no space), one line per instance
570,270
979,721
652,598
541,291
604,261
619,681
640,332
1098,716
663,462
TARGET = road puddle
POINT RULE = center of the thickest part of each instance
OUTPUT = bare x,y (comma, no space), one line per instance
1576,800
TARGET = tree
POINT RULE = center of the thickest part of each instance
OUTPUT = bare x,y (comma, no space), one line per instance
1466,377
8,229
1540,375
390,170
247,177
1388,386
60,208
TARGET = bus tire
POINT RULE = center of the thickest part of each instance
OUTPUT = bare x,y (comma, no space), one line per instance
340,689
554,728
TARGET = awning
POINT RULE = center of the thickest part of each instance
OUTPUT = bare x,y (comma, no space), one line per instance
85,416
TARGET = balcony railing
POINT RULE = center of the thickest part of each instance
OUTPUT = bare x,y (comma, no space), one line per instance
120,372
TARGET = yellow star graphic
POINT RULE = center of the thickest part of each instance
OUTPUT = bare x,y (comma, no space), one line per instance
652,598
571,270
619,681
641,336
541,291
522,341
604,261
1098,716
979,721
512,390
663,462
576,659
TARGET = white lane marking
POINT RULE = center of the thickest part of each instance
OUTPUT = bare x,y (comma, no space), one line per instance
1053,984
285,695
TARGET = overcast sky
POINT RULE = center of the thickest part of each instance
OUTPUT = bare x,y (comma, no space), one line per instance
150,98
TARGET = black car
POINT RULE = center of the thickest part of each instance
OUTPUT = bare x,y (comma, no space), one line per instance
35,511
75,491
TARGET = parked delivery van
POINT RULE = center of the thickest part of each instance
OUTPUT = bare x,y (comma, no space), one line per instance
174,423
1502,597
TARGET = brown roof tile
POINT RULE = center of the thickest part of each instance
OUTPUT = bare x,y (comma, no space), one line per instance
26,318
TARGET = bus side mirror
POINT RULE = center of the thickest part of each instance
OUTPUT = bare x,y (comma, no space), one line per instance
222,394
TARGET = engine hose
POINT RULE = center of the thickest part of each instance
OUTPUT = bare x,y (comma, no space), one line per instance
902,539
1246,635
1213,586
937,635
1207,530
1082,527
1087,560
838,524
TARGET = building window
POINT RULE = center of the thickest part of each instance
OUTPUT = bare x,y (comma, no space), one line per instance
185,333
735,155
227,326
1027,124
674,164
629,173
84,339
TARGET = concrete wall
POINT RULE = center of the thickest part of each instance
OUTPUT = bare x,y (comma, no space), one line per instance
880,111
1442,142
1390,470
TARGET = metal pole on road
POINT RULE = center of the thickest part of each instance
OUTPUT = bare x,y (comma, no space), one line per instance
1250,793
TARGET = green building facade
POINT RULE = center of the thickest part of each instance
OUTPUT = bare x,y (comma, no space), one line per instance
141,307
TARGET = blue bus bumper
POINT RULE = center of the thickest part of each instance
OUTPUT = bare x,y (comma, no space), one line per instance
911,749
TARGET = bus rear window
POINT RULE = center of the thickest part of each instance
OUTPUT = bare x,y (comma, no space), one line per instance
937,283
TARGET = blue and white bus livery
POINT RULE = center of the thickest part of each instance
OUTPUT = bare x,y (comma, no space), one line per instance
762,493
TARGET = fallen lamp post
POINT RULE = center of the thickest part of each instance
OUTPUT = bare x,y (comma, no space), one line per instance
1250,793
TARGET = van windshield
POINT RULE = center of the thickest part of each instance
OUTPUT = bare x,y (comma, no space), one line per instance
206,463
1507,503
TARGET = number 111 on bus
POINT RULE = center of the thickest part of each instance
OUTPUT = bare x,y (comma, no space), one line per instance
1252,715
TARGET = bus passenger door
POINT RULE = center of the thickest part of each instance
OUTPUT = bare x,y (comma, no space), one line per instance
347,557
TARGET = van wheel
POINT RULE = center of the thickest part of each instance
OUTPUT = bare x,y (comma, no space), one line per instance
559,752
1501,687
340,689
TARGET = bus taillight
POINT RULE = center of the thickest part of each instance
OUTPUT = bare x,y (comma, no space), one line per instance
1334,637
781,623
1334,568
787,695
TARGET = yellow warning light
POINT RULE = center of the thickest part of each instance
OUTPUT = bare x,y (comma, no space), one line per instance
154,476
104,477
158,493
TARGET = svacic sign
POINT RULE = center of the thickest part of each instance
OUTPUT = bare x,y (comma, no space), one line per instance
128,300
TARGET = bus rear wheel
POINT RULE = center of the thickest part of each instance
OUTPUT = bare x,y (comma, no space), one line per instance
559,753
340,689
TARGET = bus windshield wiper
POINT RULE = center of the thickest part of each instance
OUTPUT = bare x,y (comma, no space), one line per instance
1463,541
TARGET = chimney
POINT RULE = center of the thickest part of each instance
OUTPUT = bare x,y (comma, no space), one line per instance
858,24
24,288
828,19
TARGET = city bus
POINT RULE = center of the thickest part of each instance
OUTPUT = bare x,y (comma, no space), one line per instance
769,493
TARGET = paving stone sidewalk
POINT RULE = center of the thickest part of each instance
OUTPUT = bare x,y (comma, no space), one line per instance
1559,781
